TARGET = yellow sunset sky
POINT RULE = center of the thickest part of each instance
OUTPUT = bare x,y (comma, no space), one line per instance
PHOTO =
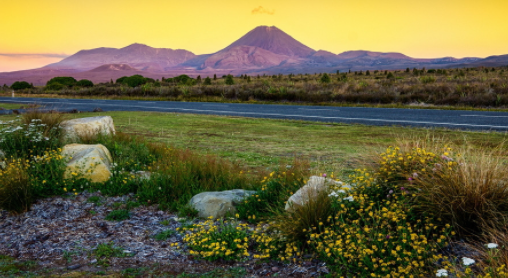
421,29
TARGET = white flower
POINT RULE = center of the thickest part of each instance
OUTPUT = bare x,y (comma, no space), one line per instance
333,194
350,198
442,273
492,245
336,193
467,261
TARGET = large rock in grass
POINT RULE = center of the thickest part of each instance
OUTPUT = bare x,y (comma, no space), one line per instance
2,162
92,162
311,190
217,204
87,127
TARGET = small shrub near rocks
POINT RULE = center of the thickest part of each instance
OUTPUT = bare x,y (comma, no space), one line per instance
105,251
164,235
95,200
275,190
118,215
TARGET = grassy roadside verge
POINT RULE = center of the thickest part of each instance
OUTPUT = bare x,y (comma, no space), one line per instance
223,100
8,106
265,143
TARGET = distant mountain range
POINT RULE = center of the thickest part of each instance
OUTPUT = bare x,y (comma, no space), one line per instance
263,50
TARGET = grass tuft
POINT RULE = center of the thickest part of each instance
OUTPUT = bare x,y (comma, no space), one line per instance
118,215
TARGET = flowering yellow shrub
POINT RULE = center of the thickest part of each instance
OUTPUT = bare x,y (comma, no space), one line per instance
406,165
212,240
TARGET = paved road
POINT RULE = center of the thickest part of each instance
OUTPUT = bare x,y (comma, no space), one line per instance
457,119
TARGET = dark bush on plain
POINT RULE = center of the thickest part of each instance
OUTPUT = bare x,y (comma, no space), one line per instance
55,86
20,85
63,80
229,80
84,83
134,80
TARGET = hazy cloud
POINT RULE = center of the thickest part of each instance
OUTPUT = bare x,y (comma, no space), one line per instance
34,55
261,10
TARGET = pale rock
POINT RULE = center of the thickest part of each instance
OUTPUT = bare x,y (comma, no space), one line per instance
142,175
92,162
87,127
311,190
217,204
3,165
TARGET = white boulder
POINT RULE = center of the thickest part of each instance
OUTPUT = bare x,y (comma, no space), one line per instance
87,127
311,190
3,165
217,204
92,162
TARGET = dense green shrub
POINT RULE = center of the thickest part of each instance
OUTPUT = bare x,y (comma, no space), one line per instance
325,78
84,83
229,80
54,87
63,80
20,85
121,80
134,80
182,80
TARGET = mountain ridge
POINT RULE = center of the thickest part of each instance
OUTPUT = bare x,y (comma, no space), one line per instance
264,49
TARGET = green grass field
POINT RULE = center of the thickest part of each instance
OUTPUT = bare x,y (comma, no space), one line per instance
260,143
8,106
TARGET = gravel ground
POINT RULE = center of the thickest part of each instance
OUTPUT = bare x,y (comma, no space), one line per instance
61,234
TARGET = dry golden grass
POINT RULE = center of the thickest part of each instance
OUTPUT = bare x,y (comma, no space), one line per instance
51,120
468,187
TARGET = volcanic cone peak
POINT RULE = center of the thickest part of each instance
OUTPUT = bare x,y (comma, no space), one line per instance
113,67
274,40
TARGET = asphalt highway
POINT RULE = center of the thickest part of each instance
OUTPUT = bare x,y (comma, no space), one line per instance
453,119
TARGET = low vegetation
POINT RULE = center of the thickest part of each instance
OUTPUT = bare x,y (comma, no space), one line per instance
462,87
407,204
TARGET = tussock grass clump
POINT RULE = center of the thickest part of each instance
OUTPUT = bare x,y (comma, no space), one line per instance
469,188
182,174
465,185
275,190
50,120
295,224
15,192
